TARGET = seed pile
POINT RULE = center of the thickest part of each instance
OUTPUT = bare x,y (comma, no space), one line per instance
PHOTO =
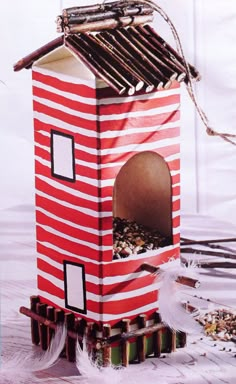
219,324
132,238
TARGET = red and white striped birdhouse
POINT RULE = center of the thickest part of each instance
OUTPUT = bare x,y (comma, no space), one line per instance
106,103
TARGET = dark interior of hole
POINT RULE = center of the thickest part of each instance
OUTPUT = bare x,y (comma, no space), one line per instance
142,205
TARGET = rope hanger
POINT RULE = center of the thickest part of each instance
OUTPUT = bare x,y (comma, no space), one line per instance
209,130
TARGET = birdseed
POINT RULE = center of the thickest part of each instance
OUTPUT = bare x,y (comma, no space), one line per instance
131,238
219,324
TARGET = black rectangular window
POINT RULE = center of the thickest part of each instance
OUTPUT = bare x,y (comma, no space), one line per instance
62,156
75,293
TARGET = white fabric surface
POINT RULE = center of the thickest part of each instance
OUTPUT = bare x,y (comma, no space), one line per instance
208,33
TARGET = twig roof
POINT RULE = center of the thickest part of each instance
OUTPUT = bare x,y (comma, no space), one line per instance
118,46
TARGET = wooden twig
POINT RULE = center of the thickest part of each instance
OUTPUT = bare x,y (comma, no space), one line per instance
108,24
131,78
125,53
149,58
128,67
100,15
90,339
190,308
149,268
43,320
190,282
83,9
170,337
107,62
34,300
105,6
59,316
138,332
147,48
182,339
141,340
226,265
172,53
173,340
93,62
157,337
161,52
211,264
106,333
70,341
125,347
27,61
185,241
185,280
223,248
208,253
149,70
41,310
50,316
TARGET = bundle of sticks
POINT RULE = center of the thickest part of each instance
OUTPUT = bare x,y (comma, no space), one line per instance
103,16
115,41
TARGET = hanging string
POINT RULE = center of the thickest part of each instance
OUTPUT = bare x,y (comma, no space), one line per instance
210,131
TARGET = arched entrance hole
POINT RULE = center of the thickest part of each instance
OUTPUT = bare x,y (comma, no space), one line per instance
142,193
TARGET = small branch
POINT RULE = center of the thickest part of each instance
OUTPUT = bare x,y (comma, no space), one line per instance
148,50
152,73
128,50
190,308
108,24
44,321
121,5
190,282
208,253
132,80
27,61
100,15
219,264
138,332
94,63
185,241
149,268
211,264
172,53
162,53
158,69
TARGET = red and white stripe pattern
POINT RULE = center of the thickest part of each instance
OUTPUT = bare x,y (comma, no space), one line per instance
74,220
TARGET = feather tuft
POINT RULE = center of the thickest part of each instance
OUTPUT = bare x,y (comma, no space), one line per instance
23,366
94,373
171,310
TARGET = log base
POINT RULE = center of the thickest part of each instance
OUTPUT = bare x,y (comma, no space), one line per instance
119,345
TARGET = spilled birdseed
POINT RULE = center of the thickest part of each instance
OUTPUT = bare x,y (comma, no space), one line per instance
219,324
131,238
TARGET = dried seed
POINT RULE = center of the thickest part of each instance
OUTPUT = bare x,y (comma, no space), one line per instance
219,324
132,238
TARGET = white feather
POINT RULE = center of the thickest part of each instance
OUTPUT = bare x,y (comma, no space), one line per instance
116,374
170,305
22,365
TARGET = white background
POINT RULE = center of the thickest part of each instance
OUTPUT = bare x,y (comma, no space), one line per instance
208,33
